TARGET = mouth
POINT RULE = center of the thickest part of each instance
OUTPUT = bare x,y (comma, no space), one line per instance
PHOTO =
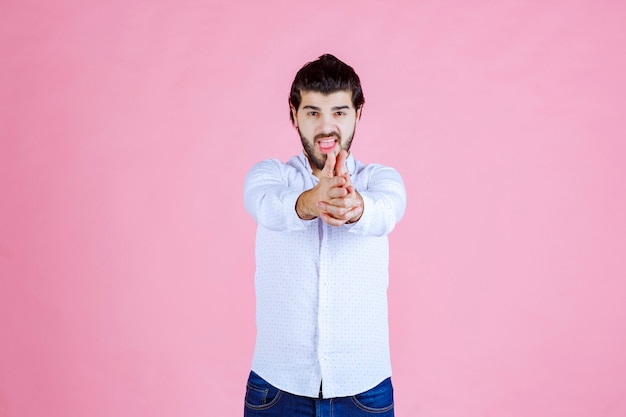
326,145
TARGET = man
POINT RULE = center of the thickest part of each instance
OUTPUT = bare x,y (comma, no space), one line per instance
322,344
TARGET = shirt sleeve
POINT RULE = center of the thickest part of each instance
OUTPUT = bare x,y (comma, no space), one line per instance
384,201
270,200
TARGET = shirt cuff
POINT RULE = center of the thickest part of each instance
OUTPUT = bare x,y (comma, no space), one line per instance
364,223
294,222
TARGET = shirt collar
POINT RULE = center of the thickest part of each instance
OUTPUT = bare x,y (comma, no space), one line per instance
350,163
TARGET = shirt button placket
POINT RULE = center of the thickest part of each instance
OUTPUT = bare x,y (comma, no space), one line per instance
323,314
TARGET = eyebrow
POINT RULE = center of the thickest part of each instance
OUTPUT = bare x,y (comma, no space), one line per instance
333,109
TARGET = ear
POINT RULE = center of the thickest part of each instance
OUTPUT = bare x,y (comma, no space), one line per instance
294,114
358,113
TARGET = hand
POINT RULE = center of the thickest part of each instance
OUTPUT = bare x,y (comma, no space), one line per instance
342,203
329,187
340,169
334,198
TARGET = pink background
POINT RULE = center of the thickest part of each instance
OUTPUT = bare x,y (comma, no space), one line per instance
126,257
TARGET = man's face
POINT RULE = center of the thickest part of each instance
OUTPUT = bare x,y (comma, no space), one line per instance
326,123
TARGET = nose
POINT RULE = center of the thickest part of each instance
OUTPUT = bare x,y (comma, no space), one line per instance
328,124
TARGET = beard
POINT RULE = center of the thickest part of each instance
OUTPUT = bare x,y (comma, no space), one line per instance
311,150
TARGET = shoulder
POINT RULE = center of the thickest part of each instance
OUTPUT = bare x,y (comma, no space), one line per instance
274,167
374,169
267,164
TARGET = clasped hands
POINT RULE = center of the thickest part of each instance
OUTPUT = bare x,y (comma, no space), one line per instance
334,198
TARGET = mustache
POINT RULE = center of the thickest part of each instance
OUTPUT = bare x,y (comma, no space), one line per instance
327,135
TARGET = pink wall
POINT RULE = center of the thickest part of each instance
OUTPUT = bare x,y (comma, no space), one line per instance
126,257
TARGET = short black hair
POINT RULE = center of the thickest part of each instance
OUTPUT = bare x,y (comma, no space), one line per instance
326,75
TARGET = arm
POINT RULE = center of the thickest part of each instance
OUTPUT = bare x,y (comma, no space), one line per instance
384,201
277,205
269,199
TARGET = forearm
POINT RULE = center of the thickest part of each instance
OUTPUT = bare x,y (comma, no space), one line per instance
384,203
306,205
270,200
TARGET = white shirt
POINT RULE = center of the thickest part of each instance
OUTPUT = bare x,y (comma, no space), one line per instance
321,290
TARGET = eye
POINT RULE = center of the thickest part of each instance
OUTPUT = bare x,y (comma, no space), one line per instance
340,113
312,113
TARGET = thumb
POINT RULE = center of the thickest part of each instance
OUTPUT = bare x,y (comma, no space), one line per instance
340,165
329,166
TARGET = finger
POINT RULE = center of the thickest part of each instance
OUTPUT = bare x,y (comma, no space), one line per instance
338,191
340,208
340,165
342,203
331,187
329,166
355,214
333,215
333,211
348,184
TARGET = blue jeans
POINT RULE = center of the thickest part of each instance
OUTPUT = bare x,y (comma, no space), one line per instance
265,400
